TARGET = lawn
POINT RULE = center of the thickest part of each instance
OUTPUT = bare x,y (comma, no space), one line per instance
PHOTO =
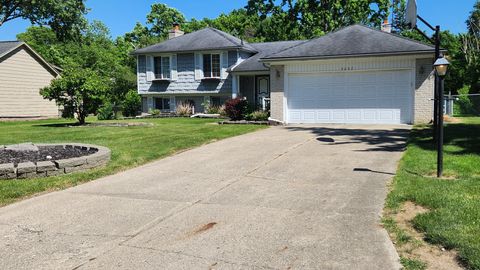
453,221
131,146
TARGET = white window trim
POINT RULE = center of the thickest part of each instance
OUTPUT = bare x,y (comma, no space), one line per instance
161,69
211,65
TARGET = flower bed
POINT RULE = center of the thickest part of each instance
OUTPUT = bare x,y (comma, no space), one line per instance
42,160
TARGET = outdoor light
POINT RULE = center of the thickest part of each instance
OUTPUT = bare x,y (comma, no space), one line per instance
441,66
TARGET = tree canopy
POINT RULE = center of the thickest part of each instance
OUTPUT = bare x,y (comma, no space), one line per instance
64,17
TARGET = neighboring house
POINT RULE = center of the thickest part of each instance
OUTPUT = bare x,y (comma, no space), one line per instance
22,74
353,75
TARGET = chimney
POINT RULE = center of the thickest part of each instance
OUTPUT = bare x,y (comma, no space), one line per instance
386,26
175,32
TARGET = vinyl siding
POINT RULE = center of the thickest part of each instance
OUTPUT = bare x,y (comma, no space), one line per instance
186,83
21,78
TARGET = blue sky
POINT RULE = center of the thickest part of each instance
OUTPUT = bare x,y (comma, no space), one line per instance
121,15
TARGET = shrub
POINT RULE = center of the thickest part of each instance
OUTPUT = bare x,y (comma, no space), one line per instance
236,108
213,109
258,116
105,112
184,109
132,103
154,111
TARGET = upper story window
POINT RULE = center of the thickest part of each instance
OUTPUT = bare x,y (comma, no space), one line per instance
161,67
211,65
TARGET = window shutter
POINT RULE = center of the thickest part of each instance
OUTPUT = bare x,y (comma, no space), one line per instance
173,67
224,65
198,66
150,75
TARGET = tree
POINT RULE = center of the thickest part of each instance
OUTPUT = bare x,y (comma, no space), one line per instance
132,103
65,17
162,17
78,90
473,22
311,18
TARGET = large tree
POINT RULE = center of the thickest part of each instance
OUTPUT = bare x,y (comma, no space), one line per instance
65,17
287,19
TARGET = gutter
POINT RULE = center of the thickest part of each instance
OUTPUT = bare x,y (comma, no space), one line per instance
304,58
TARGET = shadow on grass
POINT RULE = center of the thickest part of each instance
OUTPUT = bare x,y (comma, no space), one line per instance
464,136
387,140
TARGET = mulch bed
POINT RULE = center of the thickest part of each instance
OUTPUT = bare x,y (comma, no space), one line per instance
56,152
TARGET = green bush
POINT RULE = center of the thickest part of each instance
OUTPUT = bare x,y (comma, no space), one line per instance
154,111
258,116
214,110
466,105
132,103
105,112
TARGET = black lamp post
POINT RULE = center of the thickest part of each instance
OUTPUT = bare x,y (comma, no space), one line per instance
441,67
441,64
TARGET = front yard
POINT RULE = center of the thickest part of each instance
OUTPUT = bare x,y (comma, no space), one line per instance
453,203
131,146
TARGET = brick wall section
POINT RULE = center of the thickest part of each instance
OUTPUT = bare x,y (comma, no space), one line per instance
277,74
424,89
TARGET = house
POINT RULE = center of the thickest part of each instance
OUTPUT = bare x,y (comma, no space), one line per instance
354,75
22,74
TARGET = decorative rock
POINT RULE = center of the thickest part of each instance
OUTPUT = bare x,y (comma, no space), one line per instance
43,166
22,147
71,162
56,167
26,167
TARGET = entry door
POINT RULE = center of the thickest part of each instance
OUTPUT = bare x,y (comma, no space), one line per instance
263,88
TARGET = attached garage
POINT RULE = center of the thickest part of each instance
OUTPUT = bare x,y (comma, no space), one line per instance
356,75
366,97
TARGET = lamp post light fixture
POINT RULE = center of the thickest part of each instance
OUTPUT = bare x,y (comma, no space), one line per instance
441,67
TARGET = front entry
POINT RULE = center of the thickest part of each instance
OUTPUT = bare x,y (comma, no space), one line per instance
263,91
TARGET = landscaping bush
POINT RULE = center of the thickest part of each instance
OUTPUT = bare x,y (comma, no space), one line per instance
105,112
213,110
258,116
236,109
184,109
466,105
154,111
132,103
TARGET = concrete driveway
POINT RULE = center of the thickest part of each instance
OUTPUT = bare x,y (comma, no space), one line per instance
281,198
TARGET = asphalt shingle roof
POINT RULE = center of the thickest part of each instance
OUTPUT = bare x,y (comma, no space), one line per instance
7,46
264,49
204,39
355,40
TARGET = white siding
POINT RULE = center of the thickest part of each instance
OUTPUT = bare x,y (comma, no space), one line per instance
21,78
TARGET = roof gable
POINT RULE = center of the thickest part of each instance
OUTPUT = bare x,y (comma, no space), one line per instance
204,39
7,47
355,40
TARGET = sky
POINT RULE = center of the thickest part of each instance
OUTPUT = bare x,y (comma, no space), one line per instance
121,15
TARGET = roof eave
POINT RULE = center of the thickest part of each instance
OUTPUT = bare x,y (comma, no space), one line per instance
321,57
136,52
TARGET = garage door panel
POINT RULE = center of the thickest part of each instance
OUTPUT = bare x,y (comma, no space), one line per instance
350,97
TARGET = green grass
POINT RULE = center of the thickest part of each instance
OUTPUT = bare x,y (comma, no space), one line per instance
131,146
454,219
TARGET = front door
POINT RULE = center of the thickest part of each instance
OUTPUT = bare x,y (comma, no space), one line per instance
263,90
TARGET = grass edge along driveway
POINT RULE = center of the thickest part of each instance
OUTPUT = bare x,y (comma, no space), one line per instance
131,146
453,219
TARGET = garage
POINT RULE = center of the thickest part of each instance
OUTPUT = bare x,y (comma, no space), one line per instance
363,97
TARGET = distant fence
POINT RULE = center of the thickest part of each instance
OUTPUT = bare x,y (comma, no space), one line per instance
458,105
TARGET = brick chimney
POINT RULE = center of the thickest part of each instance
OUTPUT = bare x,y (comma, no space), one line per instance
386,26
175,32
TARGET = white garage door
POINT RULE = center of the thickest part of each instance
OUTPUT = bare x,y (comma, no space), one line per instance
380,97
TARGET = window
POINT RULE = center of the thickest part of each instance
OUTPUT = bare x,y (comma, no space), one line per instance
211,65
161,67
162,104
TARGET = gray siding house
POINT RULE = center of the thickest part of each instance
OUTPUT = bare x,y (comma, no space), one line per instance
354,75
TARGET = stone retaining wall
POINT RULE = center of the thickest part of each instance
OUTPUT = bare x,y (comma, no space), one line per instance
57,167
